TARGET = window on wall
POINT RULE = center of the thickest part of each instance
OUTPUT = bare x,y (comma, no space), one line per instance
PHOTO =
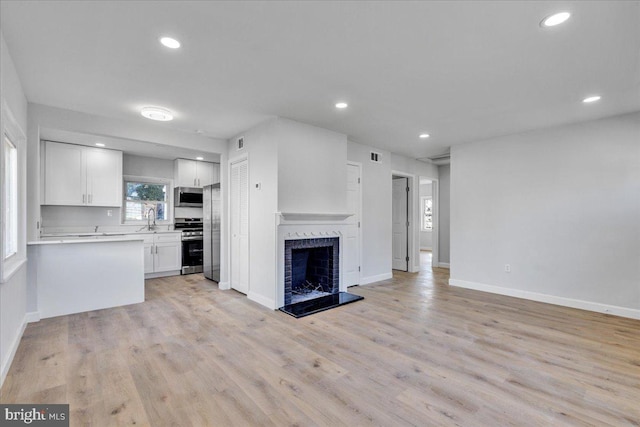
143,195
10,199
427,213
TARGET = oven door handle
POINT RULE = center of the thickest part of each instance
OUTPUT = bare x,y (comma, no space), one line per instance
185,239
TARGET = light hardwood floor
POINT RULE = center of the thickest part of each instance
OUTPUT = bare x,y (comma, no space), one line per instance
414,352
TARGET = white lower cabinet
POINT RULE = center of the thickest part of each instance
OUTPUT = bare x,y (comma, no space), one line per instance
162,253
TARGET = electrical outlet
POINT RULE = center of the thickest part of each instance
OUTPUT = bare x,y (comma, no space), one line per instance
109,212
507,268
258,186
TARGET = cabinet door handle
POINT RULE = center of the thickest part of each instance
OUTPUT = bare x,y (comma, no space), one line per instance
156,249
151,247
84,196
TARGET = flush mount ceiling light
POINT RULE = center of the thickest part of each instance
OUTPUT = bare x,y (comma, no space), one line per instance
99,144
170,43
199,158
555,19
341,105
591,99
424,135
157,113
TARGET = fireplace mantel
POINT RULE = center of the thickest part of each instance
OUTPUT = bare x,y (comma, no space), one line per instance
314,216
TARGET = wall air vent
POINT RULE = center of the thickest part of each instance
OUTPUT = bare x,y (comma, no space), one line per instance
376,157
240,143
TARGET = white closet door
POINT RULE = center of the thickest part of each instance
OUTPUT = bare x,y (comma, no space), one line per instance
240,226
352,238
400,218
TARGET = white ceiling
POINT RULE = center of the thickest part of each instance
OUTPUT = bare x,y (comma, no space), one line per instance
461,71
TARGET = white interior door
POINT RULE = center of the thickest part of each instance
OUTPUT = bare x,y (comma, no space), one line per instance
239,194
352,238
400,224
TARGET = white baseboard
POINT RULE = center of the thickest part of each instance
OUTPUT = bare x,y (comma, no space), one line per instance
443,264
262,300
376,278
550,299
162,274
6,364
224,286
32,317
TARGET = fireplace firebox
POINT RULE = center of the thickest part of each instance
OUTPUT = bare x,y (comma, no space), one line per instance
312,269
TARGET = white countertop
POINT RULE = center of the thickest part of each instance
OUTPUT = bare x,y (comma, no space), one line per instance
63,238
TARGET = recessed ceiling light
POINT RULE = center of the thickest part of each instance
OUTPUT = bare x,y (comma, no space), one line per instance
342,105
170,43
199,158
555,19
157,113
590,99
424,135
99,144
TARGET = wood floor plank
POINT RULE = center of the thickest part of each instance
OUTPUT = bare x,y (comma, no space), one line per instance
414,352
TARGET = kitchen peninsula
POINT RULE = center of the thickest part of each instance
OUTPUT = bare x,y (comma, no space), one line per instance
74,274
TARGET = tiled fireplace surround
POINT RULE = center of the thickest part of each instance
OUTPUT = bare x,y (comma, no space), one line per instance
309,230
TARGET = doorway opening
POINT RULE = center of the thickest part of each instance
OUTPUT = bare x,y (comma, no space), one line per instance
428,218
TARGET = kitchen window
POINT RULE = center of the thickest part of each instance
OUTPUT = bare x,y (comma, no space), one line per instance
427,213
143,194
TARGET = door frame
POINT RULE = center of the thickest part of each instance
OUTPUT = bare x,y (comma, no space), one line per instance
237,159
413,231
359,166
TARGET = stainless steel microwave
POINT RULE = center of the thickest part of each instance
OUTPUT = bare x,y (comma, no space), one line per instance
187,197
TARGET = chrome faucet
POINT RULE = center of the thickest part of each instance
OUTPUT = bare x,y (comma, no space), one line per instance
149,225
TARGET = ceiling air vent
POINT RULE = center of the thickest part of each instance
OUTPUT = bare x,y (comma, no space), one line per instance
241,143
376,157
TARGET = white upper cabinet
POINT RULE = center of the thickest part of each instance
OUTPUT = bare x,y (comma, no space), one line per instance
65,180
194,173
104,177
76,175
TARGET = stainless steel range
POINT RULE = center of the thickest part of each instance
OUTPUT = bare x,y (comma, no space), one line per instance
191,244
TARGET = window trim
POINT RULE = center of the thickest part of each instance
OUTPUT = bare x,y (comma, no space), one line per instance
14,133
6,140
423,200
151,180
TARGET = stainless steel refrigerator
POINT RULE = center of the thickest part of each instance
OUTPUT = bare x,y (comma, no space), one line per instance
211,229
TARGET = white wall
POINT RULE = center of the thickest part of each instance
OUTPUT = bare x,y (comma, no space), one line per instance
312,171
426,237
13,292
561,206
444,215
147,166
376,226
261,149
299,168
